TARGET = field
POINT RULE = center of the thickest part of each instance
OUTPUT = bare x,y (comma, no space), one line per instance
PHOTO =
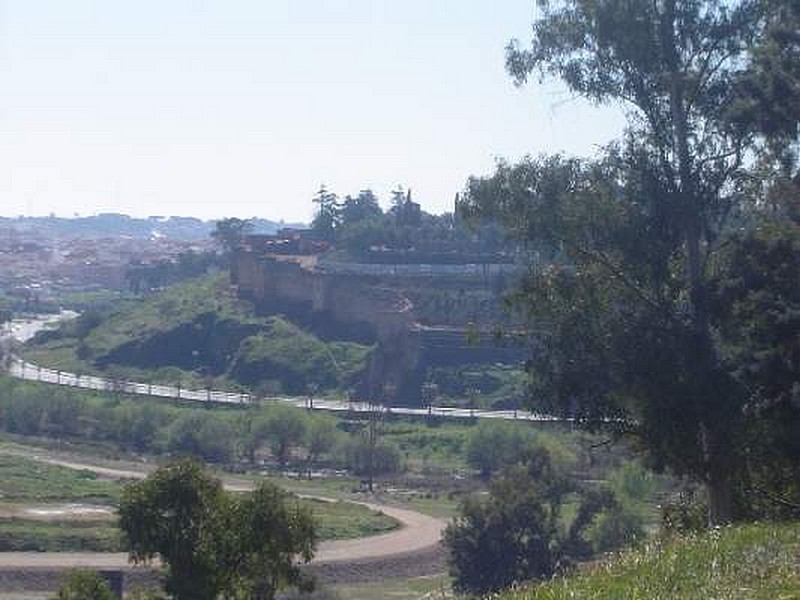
750,562
438,465
46,507
437,457
24,481
429,588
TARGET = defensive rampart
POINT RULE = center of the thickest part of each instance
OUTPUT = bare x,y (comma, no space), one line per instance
360,307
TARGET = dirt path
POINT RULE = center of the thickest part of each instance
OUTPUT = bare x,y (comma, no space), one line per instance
417,532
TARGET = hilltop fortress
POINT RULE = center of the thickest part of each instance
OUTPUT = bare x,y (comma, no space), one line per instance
419,315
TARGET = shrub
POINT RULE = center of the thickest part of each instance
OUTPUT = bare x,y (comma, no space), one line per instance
354,453
84,585
517,533
201,435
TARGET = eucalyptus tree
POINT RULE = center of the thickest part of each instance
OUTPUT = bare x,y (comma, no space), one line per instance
623,310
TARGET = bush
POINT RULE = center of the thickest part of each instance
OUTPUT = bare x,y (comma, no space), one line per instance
84,585
202,435
284,428
493,445
511,536
685,513
517,533
355,452
621,523
614,528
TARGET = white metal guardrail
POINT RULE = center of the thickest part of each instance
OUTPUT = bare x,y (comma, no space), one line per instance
21,369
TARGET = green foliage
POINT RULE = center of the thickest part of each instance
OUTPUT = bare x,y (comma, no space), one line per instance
137,425
139,593
494,445
613,528
624,309
200,434
215,434
180,305
518,532
268,536
497,382
632,482
154,276
175,514
358,237
757,314
757,562
355,452
285,428
361,208
684,513
621,523
283,352
346,520
321,438
770,82
326,217
195,333
230,232
84,585
211,542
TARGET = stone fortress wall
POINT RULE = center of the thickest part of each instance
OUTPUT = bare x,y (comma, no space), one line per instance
352,302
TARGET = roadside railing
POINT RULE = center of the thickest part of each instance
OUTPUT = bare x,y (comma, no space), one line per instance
21,369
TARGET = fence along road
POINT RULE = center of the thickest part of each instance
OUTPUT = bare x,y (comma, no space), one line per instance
23,330
31,372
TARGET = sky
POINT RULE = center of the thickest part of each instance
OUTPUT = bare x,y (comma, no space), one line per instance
217,108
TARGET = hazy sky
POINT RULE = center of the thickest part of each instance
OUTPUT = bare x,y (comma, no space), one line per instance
244,107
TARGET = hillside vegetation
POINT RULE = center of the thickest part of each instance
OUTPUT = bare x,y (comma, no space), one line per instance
198,333
759,561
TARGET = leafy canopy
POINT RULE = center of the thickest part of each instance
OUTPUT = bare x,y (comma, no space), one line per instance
212,542
621,299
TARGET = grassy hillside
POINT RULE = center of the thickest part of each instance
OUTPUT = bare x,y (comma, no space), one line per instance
752,562
198,333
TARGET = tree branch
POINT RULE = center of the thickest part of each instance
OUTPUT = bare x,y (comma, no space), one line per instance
777,499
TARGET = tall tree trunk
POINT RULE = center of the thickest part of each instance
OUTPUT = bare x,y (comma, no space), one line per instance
719,476
720,497
715,457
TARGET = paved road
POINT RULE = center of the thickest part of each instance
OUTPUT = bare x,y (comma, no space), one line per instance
25,329
417,532
31,372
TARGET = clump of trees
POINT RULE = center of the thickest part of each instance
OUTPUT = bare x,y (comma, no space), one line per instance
667,308
214,543
521,531
359,224
230,232
546,508
291,437
153,276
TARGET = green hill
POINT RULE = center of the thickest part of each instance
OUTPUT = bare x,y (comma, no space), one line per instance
751,562
200,333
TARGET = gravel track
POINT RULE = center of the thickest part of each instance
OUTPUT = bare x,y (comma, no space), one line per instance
418,534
